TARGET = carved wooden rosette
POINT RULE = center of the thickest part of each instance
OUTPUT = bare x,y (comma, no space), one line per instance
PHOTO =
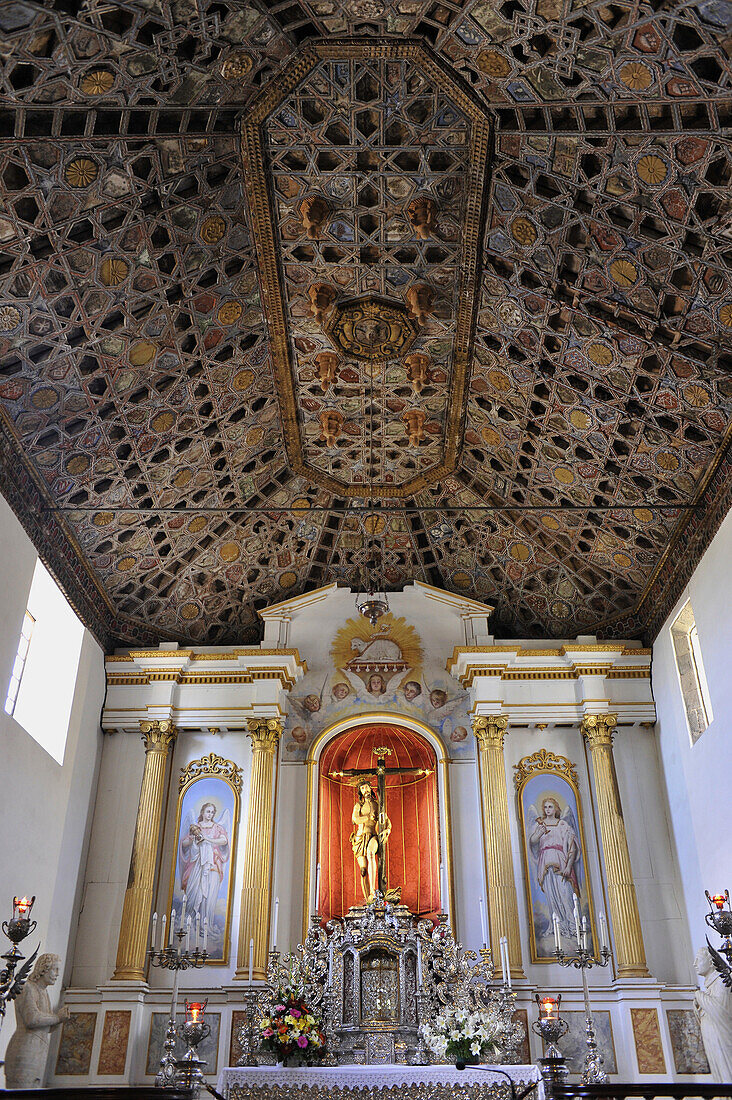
157,737
502,898
629,949
257,879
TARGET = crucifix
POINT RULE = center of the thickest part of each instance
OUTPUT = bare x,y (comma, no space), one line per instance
371,822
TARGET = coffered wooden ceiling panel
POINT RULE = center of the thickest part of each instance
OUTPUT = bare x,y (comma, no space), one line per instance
285,287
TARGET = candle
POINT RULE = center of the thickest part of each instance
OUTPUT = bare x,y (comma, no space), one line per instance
154,930
205,933
198,930
577,921
317,889
483,929
172,927
163,941
603,932
419,964
188,934
557,933
548,1008
251,961
195,1010
508,965
585,934
183,912
274,933
503,961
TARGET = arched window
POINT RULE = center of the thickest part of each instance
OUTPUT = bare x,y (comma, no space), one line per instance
690,667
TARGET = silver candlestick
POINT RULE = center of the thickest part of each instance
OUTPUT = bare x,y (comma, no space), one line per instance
176,958
583,959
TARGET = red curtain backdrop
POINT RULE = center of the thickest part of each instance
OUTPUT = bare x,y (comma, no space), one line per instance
413,850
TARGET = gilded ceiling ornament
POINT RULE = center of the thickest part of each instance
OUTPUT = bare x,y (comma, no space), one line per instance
163,422
331,426
600,354
44,398
197,524
523,231
141,353
78,464
10,318
623,272
420,300
322,299
417,366
493,63
287,580
725,314
422,214
636,76
327,363
97,83
414,423
230,312
102,519
113,271
371,329
314,211
126,563
237,65
230,551
652,169
242,380
212,229
696,396
81,172
190,611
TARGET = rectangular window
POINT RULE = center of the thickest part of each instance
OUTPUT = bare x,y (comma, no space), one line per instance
43,680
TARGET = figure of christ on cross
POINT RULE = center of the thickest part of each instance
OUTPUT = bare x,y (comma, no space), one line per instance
371,824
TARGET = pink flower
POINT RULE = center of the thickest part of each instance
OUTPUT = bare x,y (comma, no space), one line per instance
267,1032
279,1008
302,1041
295,1012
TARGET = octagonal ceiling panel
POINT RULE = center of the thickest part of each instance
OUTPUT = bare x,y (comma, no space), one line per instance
366,166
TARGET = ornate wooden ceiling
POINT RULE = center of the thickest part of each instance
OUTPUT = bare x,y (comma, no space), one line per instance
257,259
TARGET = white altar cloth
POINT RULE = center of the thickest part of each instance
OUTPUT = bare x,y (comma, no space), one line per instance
309,1083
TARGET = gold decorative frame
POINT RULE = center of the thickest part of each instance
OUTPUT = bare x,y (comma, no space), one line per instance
210,767
265,241
545,762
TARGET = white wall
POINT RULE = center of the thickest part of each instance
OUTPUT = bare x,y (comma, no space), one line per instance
699,777
46,807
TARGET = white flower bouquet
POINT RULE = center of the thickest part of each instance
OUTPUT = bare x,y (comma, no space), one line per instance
461,1036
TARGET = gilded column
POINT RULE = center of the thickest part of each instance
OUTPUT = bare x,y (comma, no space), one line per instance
133,934
502,900
256,887
629,949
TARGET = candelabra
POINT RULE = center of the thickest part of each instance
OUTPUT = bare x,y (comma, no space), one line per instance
192,1031
583,960
16,929
176,958
720,919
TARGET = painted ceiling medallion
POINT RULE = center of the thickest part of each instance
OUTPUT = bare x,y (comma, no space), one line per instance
371,329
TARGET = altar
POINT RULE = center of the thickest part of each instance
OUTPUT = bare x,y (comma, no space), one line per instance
381,1082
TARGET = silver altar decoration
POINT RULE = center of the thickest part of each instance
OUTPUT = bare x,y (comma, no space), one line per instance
176,958
583,959
375,976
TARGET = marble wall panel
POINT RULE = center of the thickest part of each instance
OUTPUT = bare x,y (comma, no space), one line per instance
115,1037
686,1041
647,1035
75,1048
573,1045
208,1049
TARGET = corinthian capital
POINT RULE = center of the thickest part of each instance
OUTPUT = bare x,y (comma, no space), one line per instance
598,729
490,730
158,736
265,733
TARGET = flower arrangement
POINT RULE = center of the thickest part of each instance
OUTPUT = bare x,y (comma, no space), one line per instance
290,1029
463,1036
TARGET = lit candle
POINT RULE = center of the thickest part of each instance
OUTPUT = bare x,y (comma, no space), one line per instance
172,927
163,941
483,928
603,932
251,961
154,930
274,933
548,1008
317,889
419,964
577,921
718,899
23,906
194,1011
205,933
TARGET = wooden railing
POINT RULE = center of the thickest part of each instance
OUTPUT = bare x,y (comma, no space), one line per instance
645,1089
98,1092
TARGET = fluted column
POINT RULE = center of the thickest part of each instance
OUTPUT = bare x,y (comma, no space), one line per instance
133,934
629,950
502,899
257,883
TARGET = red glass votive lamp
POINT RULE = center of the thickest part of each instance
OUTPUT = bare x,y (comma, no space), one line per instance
718,900
22,908
549,1008
195,1011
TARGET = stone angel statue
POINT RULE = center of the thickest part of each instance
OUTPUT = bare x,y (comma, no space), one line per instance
713,1007
556,853
25,1059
